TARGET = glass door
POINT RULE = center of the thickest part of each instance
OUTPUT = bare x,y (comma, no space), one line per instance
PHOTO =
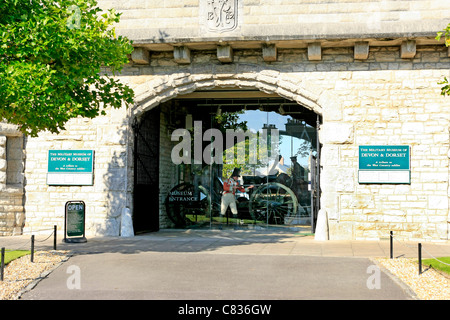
246,166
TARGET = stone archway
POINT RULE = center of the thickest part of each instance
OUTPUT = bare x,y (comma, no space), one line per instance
166,87
291,86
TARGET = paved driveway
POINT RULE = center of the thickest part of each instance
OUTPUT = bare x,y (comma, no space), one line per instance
214,276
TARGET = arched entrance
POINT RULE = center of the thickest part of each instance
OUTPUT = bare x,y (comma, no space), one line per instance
183,102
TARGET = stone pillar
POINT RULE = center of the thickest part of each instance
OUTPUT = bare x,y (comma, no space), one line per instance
12,215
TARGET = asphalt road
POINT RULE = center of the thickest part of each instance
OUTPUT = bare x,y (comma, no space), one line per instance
206,276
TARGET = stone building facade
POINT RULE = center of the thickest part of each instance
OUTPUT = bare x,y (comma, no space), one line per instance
368,69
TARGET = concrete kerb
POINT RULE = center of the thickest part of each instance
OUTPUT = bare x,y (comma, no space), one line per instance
239,242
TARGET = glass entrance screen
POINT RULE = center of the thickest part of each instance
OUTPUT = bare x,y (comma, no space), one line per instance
269,150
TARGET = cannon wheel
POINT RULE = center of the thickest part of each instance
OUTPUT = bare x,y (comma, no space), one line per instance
177,211
273,202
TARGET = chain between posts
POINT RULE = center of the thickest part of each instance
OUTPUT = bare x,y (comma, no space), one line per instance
33,240
419,252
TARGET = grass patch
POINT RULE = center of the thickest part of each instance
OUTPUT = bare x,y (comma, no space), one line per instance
14,254
438,265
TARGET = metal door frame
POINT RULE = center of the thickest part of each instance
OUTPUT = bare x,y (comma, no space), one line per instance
151,181
315,181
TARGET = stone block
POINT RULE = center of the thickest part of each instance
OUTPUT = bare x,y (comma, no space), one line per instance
336,133
2,177
225,54
408,49
330,155
438,202
9,130
412,128
269,53
314,52
361,50
182,55
140,56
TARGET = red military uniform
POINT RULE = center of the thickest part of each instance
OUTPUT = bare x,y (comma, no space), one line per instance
229,189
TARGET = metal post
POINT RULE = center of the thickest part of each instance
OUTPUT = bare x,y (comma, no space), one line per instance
54,237
2,267
392,244
318,166
32,248
420,259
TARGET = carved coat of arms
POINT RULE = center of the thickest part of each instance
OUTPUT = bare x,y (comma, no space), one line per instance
222,15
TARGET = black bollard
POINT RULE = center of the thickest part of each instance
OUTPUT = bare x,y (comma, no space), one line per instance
54,237
32,248
420,258
2,266
392,244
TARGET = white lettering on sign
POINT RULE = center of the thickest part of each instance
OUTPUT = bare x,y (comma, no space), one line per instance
75,207
370,155
396,155
81,158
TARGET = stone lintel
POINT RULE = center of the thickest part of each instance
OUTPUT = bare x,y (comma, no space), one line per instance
182,55
361,51
225,54
269,52
8,130
408,49
140,56
314,51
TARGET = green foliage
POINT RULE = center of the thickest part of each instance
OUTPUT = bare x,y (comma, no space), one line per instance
51,54
230,120
445,90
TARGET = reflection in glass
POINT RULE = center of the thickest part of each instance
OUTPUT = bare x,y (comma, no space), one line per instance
280,196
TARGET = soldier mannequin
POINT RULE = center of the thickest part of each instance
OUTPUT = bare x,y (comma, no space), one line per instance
298,185
297,171
229,189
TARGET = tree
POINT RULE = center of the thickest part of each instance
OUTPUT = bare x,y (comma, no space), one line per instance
445,90
51,55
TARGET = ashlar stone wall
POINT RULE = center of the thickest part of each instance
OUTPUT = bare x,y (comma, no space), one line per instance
382,100
369,68
11,180
168,21
108,136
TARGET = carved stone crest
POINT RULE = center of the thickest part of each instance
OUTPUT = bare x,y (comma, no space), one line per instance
222,15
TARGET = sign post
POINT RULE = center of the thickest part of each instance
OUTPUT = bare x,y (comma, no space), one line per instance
74,222
384,164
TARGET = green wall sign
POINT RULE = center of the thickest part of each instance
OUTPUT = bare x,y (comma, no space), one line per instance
384,157
70,161
70,167
384,164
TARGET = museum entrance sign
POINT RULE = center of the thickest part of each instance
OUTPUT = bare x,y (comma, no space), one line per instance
70,167
384,164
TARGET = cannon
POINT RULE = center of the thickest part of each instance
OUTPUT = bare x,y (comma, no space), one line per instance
275,199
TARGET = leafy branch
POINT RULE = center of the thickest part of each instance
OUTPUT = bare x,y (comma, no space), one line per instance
445,89
51,56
